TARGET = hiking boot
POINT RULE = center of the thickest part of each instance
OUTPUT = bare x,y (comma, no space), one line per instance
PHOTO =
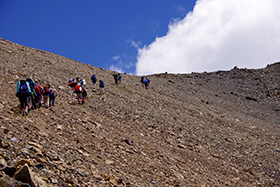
83,102
23,113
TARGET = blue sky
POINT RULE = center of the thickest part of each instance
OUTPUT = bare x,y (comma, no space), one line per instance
147,37
103,33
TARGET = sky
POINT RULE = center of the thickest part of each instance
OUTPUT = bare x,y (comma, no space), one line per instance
146,37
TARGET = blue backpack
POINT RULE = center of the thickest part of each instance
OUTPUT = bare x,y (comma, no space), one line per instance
145,81
101,83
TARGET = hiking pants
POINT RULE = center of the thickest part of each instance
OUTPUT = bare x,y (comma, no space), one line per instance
52,99
23,100
146,85
33,99
46,100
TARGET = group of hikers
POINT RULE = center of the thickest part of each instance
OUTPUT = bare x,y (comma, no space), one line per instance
117,78
32,95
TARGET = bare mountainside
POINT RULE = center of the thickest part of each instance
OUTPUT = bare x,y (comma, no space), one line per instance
199,129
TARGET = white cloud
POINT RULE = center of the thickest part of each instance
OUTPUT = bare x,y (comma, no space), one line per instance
134,44
116,58
180,8
217,35
116,68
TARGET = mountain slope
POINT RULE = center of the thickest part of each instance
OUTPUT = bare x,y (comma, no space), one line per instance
199,129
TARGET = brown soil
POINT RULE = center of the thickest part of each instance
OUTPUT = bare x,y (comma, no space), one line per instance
199,129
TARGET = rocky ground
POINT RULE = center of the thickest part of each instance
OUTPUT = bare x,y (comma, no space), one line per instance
199,129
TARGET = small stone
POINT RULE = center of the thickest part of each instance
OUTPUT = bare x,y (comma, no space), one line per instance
4,144
6,131
154,182
3,164
181,146
128,142
54,181
109,162
14,139
61,87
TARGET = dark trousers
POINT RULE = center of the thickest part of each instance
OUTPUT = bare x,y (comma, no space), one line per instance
23,100
52,99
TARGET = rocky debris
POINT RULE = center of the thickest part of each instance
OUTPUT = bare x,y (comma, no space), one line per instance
25,175
199,129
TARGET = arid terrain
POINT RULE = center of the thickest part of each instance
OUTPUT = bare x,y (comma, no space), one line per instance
199,129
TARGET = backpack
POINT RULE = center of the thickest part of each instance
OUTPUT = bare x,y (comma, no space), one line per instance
46,88
23,87
33,88
38,90
52,90
101,83
93,78
145,81
78,89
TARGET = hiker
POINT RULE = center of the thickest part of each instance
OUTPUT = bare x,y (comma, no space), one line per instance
23,92
82,82
116,78
94,80
119,78
101,86
39,97
142,81
32,97
79,91
146,82
46,95
53,95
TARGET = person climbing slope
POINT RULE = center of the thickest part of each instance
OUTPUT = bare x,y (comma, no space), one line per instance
119,78
33,95
46,95
23,92
101,86
81,83
142,81
116,78
39,97
94,80
79,91
146,81
53,95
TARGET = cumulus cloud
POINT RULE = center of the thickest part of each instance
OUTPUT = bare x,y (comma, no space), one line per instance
217,35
